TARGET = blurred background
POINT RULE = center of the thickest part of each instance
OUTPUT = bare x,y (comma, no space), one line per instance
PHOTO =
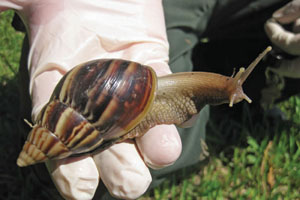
251,157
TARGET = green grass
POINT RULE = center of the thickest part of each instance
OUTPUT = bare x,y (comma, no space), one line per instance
10,46
263,161
267,166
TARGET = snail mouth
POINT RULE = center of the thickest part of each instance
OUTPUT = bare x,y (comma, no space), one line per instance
238,96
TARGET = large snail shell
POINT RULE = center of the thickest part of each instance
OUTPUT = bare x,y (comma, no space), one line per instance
94,103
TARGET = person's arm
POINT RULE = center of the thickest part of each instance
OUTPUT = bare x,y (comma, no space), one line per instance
287,40
121,167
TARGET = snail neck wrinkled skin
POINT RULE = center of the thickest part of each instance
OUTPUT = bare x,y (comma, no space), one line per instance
181,96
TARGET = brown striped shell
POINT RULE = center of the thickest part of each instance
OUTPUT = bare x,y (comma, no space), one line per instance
92,106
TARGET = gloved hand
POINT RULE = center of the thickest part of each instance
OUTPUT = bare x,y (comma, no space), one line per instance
287,40
63,34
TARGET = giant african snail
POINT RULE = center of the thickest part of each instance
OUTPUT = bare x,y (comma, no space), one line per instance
105,101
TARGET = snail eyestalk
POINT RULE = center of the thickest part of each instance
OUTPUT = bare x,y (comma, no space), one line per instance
238,80
250,68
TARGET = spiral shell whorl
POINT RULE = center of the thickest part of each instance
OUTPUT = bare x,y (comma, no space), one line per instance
60,132
95,102
41,145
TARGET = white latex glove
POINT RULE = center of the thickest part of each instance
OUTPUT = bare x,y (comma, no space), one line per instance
284,39
288,41
65,33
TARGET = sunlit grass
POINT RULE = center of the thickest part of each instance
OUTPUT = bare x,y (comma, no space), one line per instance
264,169
10,46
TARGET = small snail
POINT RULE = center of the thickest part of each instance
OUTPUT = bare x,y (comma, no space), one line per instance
101,102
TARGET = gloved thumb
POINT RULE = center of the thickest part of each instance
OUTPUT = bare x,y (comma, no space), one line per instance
288,68
288,13
286,40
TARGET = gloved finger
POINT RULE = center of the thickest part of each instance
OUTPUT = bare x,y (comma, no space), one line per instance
288,68
287,41
160,146
296,27
75,178
123,171
288,13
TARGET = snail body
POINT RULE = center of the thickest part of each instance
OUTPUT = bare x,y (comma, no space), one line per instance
105,101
